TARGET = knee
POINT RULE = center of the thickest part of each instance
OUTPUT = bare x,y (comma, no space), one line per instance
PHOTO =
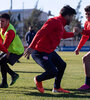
64,65
53,73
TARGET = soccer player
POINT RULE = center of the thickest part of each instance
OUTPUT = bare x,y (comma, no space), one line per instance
43,45
13,44
86,58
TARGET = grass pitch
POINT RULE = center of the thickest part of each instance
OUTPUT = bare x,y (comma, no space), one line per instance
25,89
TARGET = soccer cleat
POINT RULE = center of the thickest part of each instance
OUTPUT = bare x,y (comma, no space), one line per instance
39,85
3,85
14,78
84,87
60,90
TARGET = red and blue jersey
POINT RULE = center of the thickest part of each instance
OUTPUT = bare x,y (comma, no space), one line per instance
86,34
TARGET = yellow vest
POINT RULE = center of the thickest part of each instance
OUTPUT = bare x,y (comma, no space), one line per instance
16,45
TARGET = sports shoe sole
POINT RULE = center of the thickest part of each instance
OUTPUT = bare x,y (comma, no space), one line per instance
55,91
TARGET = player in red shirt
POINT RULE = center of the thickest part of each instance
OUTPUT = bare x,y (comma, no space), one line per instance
86,58
43,45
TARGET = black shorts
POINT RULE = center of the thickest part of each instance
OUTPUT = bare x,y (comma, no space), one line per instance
12,59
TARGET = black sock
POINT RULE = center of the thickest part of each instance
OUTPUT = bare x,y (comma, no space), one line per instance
4,75
87,81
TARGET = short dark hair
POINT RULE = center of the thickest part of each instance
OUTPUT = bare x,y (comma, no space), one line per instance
87,8
5,15
67,10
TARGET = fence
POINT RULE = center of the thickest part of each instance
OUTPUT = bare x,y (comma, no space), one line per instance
72,48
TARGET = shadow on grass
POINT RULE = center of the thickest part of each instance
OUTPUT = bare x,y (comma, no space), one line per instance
31,91
27,62
26,72
70,95
74,93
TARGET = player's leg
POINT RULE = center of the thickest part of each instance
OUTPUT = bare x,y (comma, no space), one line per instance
86,64
13,58
5,68
44,60
61,65
3,63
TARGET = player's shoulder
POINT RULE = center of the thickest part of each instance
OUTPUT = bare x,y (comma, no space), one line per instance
54,19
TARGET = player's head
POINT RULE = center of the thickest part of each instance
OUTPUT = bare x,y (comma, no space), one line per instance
68,12
87,12
4,20
30,28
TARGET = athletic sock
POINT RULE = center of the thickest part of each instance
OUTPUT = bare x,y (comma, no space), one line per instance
87,81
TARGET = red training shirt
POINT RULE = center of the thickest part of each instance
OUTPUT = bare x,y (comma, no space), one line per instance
49,36
2,48
9,37
86,34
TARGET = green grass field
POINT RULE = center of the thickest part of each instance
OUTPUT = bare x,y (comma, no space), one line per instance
25,89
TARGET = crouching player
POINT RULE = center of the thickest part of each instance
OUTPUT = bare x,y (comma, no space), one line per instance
13,44
43,45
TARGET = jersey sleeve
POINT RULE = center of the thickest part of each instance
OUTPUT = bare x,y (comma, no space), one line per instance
2,48
68,34
82,41
9,38
84,36
86,32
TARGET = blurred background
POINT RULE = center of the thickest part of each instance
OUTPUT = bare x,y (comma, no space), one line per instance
25,13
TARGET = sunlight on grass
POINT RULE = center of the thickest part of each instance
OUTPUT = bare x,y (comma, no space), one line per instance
25,89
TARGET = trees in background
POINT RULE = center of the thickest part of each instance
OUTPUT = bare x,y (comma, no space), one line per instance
34,21
15,23
77,21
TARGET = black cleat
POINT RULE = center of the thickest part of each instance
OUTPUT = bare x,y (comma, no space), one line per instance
2,85
14,78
